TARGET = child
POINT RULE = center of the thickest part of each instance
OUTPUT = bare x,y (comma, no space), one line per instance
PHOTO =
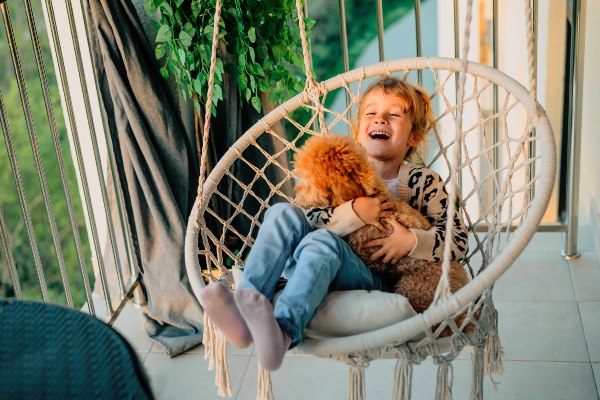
307,246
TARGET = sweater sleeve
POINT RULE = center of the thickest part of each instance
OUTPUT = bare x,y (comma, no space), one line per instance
341,220
428,195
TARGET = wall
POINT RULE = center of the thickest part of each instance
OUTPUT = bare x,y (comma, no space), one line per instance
589,192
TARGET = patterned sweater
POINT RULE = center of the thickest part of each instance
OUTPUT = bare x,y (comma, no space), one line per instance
424,190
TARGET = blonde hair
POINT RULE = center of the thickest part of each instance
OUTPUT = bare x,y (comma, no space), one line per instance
418,107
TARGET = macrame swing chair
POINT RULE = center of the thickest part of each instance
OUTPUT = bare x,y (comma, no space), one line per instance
500,166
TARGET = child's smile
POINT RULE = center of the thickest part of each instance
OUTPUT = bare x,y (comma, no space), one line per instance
385,128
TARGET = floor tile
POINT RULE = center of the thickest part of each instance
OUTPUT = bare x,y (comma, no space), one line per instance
187,377
541,331
546,241
590,317
536,276
129,324
300,378
521,380
585,271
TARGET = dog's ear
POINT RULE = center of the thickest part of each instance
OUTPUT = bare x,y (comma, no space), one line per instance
345,190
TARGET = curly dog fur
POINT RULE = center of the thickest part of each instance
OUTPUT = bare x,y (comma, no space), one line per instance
334,170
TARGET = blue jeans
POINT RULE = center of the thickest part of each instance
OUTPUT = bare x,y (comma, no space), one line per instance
315,262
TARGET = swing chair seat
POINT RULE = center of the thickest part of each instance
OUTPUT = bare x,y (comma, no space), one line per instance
507,168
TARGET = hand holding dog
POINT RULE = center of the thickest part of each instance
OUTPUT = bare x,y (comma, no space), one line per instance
395,246
372,209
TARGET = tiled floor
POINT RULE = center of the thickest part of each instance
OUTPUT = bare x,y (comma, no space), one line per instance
549,325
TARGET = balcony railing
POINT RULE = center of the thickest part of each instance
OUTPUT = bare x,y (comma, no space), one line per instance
63,227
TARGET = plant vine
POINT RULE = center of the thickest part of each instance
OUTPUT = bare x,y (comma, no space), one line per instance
261,37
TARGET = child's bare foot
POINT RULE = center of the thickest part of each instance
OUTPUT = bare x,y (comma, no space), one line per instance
217,301
270,341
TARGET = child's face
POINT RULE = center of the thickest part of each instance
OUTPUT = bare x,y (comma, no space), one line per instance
384,128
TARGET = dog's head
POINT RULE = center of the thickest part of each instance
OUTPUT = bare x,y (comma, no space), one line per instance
332,171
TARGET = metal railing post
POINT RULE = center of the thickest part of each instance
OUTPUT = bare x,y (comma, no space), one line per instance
574,127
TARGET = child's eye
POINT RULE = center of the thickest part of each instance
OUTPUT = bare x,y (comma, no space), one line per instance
394,115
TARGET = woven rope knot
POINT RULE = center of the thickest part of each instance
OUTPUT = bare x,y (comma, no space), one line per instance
313,90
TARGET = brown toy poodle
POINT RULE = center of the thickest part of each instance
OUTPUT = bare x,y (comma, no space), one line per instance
334,170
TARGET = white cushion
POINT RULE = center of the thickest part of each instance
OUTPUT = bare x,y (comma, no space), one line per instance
356,311
350,312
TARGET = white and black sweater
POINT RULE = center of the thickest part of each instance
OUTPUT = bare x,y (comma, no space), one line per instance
424,190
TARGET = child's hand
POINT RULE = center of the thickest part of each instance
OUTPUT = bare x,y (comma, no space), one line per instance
372,209
395,246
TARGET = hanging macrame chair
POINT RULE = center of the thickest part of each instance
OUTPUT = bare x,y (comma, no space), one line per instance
501,165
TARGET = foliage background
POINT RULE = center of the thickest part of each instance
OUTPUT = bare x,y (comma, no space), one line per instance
327,62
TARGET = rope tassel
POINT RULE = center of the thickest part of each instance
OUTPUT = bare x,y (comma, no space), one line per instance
493,353
357,383
221,367
208,340
265,390
444,382
215,351
402,380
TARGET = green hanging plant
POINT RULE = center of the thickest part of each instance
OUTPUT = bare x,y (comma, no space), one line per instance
261,36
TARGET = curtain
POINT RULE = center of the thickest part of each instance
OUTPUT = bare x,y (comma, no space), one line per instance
156,167
157,161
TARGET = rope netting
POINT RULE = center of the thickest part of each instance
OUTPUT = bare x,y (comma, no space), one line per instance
496,168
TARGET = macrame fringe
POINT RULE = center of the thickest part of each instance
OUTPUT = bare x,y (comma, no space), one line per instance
215,351
445,377
265,390
402,380
493,353
221,368
357,383
476,383
208,340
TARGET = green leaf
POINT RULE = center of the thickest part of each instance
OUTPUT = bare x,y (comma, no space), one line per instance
257,69
198,86
219,65
309,23
149,7
247,94
252,54
159,51
252,34
164,72
263,86
297,61
181,53
242,61
278,51
208,31
196,8
256,103
189,28
242,82
164,34
167,9
185,38
217,94
178,3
